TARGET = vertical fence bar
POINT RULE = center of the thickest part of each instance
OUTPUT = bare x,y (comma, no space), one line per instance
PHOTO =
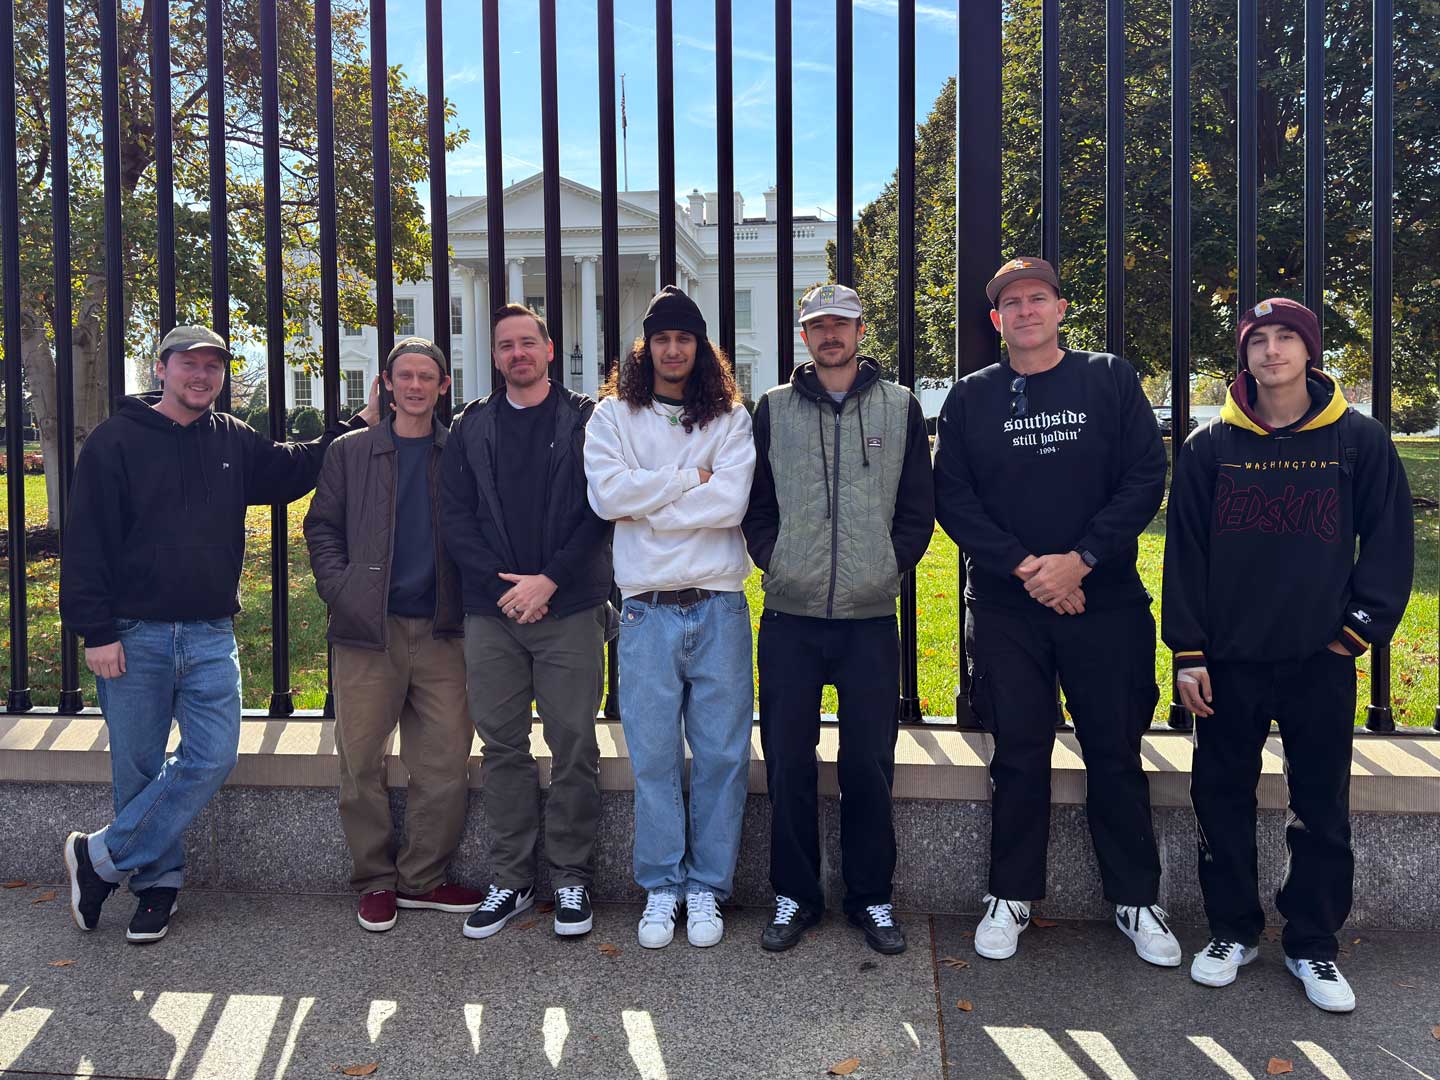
725,174
784,200
550,151
18,698
977,225
439,202
665,133
1115,176
329,255
1180,718
380,153
1246,153
494,174
909,704
1050,132
215,142
1315,159
114,230
1379,716
845,142
282,702
70,697
164,160
610,258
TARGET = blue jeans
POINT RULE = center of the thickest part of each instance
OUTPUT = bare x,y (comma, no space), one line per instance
685,677
188,671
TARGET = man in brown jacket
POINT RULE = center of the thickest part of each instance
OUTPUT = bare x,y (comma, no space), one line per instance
395,623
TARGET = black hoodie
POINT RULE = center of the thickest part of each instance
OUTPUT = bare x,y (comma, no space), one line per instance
1260,560
156,525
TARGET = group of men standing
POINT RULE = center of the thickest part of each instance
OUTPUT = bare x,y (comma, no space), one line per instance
468,572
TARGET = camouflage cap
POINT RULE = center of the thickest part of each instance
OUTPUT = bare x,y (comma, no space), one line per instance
418,346
185,338
830,300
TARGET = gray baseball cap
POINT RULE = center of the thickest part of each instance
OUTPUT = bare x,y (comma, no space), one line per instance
185,338
830,300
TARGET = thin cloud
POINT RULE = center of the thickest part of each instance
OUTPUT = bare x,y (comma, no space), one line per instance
929,12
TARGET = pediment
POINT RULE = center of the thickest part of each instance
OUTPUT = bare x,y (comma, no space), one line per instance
525,208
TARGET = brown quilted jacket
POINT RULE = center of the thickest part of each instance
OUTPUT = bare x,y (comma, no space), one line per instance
350,532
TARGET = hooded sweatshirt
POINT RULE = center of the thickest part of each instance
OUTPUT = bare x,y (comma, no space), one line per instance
156,524
1260,560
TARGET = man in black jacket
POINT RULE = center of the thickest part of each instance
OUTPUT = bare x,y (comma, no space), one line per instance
1049,465
535,566
1266,606
150,579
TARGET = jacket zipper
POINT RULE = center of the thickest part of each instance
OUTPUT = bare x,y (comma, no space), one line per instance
835,517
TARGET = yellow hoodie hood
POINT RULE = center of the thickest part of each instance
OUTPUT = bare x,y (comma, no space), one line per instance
1328,404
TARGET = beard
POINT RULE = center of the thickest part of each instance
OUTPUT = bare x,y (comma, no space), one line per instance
833,358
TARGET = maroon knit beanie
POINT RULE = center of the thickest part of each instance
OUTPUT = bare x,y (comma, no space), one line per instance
1287,312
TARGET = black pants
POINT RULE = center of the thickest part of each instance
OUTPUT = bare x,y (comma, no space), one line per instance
1313,700
798,656
1105,661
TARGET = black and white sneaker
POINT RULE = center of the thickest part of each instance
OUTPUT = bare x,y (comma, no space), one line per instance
573,916
789,925
881,933
151,920
88,890
1324,985
1220,961
499,907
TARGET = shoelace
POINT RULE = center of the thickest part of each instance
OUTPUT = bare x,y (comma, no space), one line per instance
1150,917
1016,914
1324,970
880,915
496,898
700,905
785,910
658,907
571,896
1220,950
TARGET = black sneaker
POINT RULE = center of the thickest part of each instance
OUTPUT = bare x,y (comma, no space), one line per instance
881,933
88,890
573,916
789,925
151,920
499,907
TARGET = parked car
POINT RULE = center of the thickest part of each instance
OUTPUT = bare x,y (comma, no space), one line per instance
1167,427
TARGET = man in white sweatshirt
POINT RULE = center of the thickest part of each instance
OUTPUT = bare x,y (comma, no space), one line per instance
669,457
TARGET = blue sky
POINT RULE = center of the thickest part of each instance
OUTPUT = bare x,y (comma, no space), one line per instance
813,58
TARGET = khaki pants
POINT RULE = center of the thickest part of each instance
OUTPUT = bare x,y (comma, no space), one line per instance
419,683
560,665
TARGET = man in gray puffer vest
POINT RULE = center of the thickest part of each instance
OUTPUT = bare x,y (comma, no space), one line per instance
841,506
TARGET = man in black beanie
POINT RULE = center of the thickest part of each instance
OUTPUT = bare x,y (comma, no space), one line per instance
1266,607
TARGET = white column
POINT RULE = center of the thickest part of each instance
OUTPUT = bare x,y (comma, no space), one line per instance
655,258
516,290
466,279
589,338
480,354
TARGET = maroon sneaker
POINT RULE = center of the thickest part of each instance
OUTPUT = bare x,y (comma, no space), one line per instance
377,910
444,897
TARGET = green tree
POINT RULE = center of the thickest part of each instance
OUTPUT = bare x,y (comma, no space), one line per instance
245,218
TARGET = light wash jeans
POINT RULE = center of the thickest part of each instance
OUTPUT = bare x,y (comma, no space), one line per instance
685,677
188,671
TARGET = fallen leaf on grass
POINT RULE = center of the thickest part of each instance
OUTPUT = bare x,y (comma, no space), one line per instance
965,1005
44,897
14,885
1279,1066
359,1070
843,1068
526,925
1044,924
1271,933
609,950
954,962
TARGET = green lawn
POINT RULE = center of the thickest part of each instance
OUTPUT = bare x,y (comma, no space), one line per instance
1414,652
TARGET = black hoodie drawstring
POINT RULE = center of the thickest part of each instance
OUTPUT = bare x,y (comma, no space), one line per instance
824,464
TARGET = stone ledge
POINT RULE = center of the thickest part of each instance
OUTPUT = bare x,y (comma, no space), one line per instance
1396,774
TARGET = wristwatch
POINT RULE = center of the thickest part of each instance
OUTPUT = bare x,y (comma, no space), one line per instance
1085,557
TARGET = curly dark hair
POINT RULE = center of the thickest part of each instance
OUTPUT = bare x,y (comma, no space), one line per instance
710,392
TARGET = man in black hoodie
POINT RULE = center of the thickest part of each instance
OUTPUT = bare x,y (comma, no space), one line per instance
1048,467
841,506
149,578
1266,606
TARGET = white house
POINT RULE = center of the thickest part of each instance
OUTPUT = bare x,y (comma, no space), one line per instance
583,348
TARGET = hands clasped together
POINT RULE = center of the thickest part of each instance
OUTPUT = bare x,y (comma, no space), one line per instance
1054,580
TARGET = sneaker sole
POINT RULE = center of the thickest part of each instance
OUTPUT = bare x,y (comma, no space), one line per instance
704,943
495,927
72,869
376,927
431,905
658,944
574,929
143,939
1201,980
1326,1006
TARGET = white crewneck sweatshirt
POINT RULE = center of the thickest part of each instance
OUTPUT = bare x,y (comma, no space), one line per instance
643,473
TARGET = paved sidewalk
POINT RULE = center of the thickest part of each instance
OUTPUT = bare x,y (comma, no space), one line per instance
248,987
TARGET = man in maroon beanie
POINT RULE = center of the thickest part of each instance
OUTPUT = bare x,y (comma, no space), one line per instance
1266,606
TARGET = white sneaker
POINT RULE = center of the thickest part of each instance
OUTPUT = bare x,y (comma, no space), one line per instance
1218,962
1324,985
704,925
1145,926
999,931
657,923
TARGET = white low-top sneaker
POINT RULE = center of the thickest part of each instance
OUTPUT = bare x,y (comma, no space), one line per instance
704,925
999,931
1217,963
1324,985
1145,926
657,923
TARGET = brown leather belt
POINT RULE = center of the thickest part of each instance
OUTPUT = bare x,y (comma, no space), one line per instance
682,597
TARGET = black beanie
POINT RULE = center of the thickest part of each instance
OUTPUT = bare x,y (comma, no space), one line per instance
673,310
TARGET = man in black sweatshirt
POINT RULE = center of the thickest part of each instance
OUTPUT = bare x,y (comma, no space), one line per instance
1049,465
1266,606
149,577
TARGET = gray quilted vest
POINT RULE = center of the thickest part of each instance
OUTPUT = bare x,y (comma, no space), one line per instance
833,557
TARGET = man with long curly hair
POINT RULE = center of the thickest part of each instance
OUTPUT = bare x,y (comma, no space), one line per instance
669,457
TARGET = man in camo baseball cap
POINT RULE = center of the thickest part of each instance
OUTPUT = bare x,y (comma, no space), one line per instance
830,300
